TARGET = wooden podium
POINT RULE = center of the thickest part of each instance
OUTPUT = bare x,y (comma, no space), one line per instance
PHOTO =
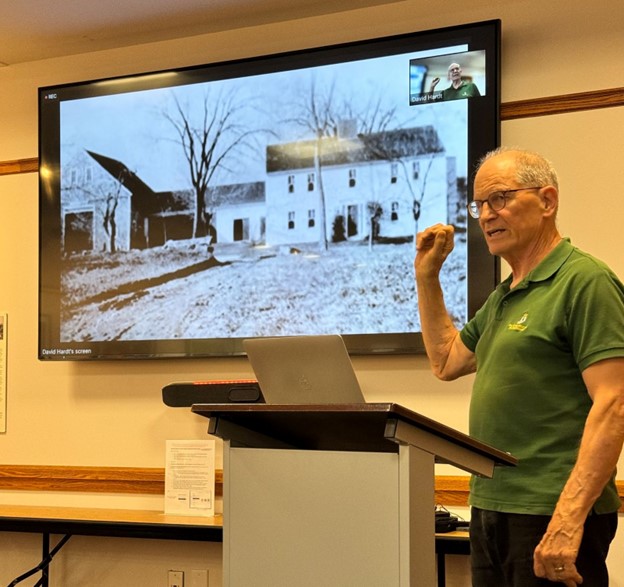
334,495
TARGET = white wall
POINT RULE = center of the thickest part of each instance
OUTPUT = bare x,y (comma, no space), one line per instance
111,414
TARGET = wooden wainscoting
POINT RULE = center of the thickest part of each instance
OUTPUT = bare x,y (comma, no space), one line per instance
561,104
133,480
19,166
450,490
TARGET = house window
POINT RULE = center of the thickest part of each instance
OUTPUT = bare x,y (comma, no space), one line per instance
311,218
291,221
394,211
351,178
310,182
291,184
416,169
89,174
394,172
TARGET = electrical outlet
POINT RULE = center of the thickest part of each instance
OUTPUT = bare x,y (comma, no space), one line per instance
199,579
175,579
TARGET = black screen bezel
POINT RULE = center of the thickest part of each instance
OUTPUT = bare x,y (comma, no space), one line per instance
484,134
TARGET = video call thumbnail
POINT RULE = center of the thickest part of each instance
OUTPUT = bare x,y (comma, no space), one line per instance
455,76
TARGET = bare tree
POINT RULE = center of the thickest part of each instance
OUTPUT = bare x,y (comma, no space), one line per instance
421,182
376,116
375,210
389,148
106,195
209,134
316,114
109,220
323,112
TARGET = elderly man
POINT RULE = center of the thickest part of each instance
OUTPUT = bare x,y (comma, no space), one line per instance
548,351
459,88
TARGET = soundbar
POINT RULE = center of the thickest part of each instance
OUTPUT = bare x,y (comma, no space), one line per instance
184,394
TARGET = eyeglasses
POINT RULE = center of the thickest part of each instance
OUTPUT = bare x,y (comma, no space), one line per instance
496,201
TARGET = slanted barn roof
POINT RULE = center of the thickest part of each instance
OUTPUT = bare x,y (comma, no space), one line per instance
121,173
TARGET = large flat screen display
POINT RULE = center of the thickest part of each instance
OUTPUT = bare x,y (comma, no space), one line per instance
182,211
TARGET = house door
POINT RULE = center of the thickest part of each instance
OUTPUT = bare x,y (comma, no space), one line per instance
352,220
241,229
78,232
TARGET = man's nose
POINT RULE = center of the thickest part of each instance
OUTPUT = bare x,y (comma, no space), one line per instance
487,211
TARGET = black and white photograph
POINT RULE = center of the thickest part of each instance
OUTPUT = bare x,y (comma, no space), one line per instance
283,203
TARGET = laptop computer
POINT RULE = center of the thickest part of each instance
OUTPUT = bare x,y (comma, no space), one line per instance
304,370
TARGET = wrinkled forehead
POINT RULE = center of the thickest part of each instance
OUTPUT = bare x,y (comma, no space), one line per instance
498,172
454,67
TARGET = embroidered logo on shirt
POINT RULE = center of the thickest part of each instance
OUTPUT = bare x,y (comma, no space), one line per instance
520,325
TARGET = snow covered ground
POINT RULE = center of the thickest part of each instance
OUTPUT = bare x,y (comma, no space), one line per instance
176,291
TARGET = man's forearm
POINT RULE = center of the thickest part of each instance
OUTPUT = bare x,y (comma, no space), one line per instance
440,335
448,356
597,459
598,454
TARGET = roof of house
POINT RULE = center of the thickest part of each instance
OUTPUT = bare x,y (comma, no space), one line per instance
238,193
382,146
180,200
121,173
221,195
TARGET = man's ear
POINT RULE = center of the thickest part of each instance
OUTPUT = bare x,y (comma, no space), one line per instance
550,198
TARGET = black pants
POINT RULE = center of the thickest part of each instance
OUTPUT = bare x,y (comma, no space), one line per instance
502,547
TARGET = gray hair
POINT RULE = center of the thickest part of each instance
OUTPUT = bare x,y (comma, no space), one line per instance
531,167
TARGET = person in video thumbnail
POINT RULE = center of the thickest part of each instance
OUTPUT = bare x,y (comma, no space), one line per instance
459,88
547,351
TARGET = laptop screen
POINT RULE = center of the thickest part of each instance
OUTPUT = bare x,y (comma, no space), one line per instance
304,370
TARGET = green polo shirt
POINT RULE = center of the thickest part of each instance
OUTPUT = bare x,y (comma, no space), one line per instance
532,343
465,90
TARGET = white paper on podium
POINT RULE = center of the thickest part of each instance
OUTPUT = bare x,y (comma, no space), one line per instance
190,477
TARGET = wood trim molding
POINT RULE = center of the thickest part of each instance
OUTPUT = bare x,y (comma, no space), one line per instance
563,104
19,166
82,479
547,106
449,490
453,490
129,480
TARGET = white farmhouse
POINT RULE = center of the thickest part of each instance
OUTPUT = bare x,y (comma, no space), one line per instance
383,184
